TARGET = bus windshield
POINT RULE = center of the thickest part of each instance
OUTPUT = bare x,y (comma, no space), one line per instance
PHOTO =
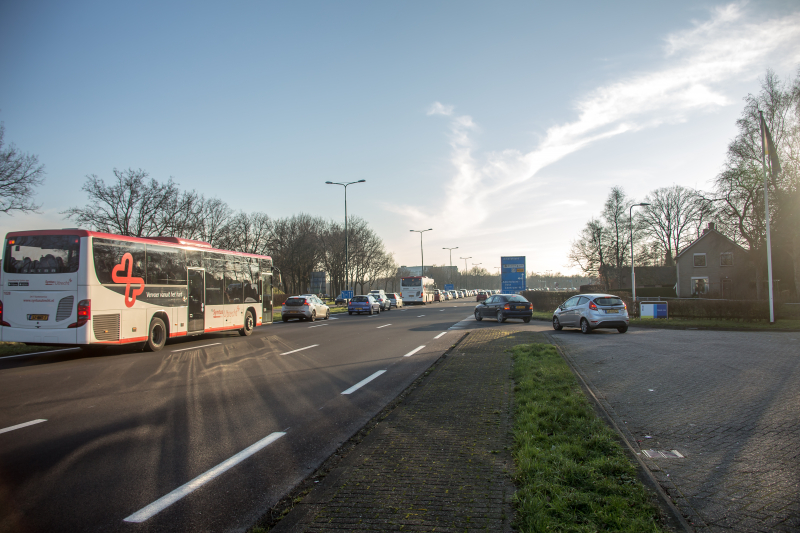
42,254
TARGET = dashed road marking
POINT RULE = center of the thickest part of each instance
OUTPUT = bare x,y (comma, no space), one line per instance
363,382
196,347
301,349
440,335
420,316
415,350
318,326
165,501
383,326
23,425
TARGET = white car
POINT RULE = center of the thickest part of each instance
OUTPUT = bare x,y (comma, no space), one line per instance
304,307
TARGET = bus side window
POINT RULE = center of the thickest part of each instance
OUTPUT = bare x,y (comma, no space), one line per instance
215,270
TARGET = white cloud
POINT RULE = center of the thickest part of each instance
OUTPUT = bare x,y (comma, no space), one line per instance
697,65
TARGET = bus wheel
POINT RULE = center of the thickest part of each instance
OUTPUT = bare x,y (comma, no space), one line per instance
249,324
157,336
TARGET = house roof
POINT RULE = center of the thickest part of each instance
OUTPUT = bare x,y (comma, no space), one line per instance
704,235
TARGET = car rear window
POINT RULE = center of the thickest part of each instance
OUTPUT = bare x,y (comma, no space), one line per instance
360,299
295,301
517,298
608,301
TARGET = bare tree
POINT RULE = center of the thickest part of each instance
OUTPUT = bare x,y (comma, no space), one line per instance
674,212
294,247
246,232
588,251
19,175
617,230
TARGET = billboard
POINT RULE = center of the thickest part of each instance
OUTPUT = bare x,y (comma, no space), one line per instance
512,274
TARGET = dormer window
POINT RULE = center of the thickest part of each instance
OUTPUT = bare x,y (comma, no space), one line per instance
699,260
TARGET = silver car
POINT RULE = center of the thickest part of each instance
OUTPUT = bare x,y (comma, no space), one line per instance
304,307
592,311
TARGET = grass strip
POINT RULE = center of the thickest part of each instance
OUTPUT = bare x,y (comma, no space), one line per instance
781,324
571,473
16,348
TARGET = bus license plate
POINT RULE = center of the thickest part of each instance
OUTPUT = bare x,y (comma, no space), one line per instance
38,317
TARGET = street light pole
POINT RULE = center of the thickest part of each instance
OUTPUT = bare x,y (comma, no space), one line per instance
450,274
421,253
633,271
466,270
346,234
477,264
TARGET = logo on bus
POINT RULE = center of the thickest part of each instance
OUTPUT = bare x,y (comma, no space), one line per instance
130,294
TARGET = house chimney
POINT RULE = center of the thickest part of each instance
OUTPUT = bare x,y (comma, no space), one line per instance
711,225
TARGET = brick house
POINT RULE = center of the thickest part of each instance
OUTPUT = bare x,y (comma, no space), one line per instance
715,266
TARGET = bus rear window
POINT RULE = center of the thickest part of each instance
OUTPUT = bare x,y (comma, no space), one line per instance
42,254
412,282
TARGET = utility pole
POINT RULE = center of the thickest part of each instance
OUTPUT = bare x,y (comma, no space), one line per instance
422,254
346,234
450,276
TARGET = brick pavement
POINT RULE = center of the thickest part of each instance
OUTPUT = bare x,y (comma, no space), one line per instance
441,461
728,401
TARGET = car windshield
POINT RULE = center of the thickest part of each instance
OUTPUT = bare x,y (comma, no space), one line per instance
295,301
608,301
360,299
517,298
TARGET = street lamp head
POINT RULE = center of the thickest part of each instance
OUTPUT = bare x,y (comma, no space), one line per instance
644,204
329,183
361,181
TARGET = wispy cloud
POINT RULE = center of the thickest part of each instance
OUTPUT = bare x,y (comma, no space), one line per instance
696,65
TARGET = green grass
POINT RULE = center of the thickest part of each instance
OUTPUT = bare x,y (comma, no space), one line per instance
571,474
16,348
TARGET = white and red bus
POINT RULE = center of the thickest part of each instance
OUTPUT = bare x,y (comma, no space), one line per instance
78,287
417,290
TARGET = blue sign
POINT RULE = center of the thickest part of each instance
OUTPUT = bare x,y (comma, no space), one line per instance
654,309
449,286
348,295
512,274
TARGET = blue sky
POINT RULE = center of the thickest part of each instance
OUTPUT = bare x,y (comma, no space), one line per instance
500,125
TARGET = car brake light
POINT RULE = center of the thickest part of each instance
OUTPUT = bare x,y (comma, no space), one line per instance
592,306
507,307
3,322
84,313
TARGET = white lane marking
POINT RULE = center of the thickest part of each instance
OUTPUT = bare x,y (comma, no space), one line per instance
301,349
165,501
441,310
196,347
333,318
383,326
24,425
318,326
363,382
420,316
412,352
440,335
37,353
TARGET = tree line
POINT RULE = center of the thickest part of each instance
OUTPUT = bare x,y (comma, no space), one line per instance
138,205
676,214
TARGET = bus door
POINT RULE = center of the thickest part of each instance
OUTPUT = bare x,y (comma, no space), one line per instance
197,302
266,298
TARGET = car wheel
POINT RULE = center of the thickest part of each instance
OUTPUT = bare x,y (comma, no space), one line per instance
478,316
585,326
313,316
249,324
157,335
371,311
327,314
526,319
349,312
556,324
501,317
622,329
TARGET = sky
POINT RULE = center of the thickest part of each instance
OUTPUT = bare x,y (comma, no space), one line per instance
500,125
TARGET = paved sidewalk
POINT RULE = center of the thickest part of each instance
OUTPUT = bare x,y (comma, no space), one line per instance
441,461
729,402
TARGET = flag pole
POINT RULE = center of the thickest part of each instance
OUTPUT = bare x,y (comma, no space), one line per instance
766,214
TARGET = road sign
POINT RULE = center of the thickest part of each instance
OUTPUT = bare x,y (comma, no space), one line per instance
512,274
449,286
348,295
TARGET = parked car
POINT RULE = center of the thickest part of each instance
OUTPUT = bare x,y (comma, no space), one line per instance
481,296
304,307
592,311
504,306
363,303
395,298
453,295
438,295
381,298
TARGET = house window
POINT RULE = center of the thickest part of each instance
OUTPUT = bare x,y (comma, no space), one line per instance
726,259
699,285
699,260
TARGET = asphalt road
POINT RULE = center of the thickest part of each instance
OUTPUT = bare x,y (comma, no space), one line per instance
241,420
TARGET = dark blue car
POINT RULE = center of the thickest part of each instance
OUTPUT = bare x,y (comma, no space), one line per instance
503,306
363,303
